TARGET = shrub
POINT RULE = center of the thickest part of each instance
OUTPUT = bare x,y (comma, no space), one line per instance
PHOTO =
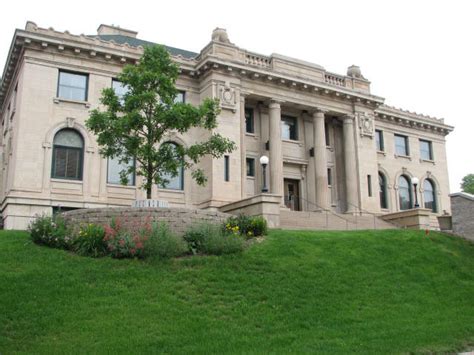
211,239
124,243
51,231
163,243
248,226
90,241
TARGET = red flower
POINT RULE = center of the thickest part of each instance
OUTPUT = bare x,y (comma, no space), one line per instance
133,251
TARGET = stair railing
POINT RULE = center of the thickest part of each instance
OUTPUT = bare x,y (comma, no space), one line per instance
360,210
327,212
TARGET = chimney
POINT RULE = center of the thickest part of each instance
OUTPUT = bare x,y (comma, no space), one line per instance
115,30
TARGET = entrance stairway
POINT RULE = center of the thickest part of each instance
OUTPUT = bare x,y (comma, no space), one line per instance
328,220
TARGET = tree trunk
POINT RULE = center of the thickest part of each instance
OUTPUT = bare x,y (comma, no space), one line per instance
149,180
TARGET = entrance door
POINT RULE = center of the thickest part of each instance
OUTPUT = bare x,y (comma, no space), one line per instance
292,194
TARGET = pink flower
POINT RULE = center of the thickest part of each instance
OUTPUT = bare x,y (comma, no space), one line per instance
133,251
122,242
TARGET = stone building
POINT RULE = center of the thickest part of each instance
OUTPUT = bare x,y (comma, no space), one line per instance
463,210
332,144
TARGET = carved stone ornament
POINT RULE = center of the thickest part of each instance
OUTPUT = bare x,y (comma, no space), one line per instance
70,122
227,97
366,124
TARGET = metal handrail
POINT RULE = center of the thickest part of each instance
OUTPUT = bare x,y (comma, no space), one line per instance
375,215
327,211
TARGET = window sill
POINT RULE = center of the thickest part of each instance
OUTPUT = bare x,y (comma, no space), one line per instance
403,157
253,135
300,143
128,187
69,181
181,192
381,152
250,177
58,100
427,161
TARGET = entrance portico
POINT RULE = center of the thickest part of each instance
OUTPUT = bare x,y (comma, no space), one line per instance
295,138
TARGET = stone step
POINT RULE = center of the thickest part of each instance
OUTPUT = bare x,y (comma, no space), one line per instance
330,221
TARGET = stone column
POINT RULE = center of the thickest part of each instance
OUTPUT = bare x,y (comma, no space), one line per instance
320,160
276,158
243,163
350,164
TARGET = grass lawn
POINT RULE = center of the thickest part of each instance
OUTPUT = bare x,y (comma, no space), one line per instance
333,292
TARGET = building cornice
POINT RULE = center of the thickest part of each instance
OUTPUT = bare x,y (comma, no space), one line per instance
413,120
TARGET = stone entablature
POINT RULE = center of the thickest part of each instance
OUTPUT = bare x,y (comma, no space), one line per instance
413,120
281,70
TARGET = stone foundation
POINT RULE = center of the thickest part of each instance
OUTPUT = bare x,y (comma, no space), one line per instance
178,219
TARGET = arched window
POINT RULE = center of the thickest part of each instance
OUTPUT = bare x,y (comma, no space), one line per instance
174,182
383,191
404,193
68,155
429,195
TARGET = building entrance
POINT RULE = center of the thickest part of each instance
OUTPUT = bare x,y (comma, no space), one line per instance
292,194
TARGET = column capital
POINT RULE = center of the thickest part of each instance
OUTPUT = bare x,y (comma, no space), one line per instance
243,95
275,103
348,119
319,111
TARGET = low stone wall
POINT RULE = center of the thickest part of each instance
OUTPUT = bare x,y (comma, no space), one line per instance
417,218
178,219
265,205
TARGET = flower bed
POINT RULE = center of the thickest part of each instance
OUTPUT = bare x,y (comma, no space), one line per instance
132,237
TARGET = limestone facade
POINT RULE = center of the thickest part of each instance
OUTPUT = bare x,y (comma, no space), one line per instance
328,138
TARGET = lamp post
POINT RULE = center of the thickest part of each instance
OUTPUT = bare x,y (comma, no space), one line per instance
264,163
415,182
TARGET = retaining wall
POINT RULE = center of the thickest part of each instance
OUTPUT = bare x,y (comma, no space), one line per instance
178,219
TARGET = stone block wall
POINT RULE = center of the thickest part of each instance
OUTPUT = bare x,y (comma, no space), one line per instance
462,207
178,219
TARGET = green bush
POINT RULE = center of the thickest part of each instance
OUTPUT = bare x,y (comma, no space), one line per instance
51,231
89,241
248,226
210,239
162,243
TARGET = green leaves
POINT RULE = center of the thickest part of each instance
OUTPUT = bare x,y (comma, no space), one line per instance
136,125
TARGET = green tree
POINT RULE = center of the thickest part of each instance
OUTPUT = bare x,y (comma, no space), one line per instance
135,125
467,184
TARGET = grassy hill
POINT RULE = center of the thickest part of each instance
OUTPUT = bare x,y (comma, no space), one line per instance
363,291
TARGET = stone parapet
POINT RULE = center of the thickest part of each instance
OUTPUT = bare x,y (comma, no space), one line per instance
265,205
179,220
418,218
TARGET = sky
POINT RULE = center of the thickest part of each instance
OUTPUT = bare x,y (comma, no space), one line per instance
418,55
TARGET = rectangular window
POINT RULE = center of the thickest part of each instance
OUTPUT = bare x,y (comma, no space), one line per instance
329,177
226,168
249,121
379,140
289,128
119,89
72,86
401,145
369,185
426,150
326,134
250,166
180,97
114,167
